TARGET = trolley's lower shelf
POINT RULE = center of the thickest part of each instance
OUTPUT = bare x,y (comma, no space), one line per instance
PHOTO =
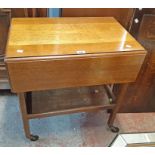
64,101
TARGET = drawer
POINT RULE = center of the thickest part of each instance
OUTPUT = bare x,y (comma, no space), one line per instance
73,71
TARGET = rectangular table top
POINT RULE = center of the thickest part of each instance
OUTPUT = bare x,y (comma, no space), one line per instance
52,53
38,37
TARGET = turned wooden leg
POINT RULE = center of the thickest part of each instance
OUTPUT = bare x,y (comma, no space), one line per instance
118,102
23,108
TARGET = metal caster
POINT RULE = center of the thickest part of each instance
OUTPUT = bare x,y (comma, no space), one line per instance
109,110
34,137
114,129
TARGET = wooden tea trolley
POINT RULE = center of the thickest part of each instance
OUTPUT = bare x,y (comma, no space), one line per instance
52,53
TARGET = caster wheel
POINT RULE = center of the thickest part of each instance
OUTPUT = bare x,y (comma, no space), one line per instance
114,129
34,137
109,111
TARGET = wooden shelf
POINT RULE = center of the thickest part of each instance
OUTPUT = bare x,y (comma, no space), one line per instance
62,101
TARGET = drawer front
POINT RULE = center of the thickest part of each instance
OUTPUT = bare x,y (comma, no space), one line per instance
29,75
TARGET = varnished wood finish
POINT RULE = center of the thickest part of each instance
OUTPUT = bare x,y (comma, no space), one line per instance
29,12
4,26
140,96
23,109
138,14
79,109
5,17
49,48
63,36
45,57
123,15
119,103
75,71
69,100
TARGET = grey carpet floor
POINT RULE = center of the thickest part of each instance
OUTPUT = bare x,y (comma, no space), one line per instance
81,129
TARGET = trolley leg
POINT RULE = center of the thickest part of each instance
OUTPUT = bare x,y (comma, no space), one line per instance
26,126
118,103
110,93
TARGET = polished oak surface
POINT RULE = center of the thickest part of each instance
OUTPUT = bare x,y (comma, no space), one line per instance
63,36
74,71
42,53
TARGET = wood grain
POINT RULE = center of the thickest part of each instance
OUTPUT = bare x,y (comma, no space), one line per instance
40,67
63,36
86,70
140,96
68,101
42,55
29,12
4,27
123,15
